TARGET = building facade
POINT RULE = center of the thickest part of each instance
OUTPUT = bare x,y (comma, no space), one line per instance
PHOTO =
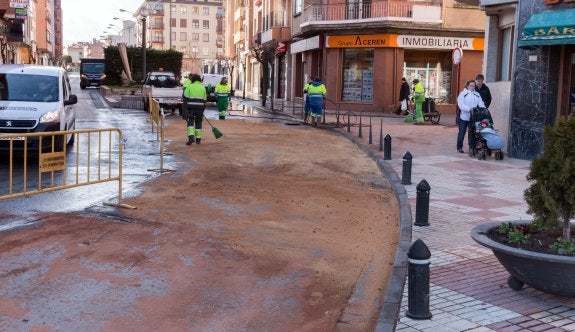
194,28
530,61
361,49
31,31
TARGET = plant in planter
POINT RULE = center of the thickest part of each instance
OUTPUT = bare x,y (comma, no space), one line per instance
540,254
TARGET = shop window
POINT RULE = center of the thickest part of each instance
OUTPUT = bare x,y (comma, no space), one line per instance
432,69
357,85
505,54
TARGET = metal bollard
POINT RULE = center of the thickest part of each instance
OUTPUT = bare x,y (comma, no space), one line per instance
422,204
406,171
387,148
418,281
381,135
348,122
360,125
337,118
370,139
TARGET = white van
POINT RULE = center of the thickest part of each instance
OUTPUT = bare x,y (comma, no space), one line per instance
35,99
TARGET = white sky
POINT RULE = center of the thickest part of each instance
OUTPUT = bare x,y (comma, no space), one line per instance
84,20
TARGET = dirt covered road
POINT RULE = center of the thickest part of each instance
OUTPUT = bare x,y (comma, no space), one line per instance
273,227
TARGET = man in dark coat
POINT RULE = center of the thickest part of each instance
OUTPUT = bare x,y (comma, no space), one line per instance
483,90
403,96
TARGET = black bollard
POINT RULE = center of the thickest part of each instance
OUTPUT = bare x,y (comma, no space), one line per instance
422,204
370,139
360,136
406,172
381,135
348,122
387,148
418,281
337,118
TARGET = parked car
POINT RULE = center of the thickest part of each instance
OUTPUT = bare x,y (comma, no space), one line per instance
165,88
35,99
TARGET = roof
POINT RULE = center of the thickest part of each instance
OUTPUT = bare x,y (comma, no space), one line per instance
30,69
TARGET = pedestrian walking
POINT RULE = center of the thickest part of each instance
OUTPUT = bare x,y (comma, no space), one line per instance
419,99
316,92
195,100
483,90
222,91
403,97
306,107
467,100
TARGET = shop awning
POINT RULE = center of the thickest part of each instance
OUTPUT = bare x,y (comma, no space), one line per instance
551,27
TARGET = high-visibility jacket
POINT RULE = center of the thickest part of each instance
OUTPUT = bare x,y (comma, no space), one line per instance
316,92
418,93
195,93
223,90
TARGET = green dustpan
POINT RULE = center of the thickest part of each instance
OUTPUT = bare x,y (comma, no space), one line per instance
216,131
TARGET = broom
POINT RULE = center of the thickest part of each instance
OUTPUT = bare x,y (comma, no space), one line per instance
217,133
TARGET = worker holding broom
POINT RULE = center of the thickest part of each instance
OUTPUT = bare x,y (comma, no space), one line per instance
195,99
223,90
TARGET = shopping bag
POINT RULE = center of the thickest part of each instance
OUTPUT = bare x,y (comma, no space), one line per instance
404,105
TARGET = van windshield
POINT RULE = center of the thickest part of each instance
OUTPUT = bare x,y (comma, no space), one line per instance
24,87
93,68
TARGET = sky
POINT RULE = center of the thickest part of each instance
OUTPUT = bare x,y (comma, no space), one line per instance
84,20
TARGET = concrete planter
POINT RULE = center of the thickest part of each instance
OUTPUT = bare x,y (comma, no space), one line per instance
548,273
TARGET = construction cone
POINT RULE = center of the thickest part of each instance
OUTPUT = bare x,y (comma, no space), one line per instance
217,133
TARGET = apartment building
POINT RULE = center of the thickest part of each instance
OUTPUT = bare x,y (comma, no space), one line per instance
361,49
194,28
31,31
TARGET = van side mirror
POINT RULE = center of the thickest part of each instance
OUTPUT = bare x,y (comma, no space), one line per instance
72,99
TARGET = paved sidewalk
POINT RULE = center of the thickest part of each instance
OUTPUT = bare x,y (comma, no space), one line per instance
469,289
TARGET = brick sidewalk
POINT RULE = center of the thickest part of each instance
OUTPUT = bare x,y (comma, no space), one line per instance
469,289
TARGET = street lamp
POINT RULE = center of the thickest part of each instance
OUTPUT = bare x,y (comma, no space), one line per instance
144,12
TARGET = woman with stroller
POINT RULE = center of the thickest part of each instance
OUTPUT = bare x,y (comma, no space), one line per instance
467,100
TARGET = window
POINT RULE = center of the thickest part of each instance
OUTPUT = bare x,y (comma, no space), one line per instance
183,36
205,51
205,24
173,23
297,7
205,37
183,49
357,75
173,9
173,36
195,10
183,10
195,37
183,23
195,51
195,24
505,53
206,11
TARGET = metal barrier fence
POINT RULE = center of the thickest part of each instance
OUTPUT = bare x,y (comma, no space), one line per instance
157,119
44,163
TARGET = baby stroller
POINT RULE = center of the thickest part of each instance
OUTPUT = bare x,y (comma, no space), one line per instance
484,139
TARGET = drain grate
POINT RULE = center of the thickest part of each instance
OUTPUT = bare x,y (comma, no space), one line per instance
97,100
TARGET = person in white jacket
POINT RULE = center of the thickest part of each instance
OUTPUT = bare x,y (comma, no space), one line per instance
467,100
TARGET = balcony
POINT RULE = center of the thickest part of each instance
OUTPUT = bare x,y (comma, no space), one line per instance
157,25
276,26
362,13
157,40
157,12
238,37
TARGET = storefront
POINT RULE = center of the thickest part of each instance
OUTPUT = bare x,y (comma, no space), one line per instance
543,87
363,72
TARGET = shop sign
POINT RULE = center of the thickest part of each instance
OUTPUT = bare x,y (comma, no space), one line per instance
305,45
404,41
435,42
281,48
355,41
20,13
18,3
554,2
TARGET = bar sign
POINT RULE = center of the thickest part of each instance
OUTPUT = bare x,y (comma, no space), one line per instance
18,3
